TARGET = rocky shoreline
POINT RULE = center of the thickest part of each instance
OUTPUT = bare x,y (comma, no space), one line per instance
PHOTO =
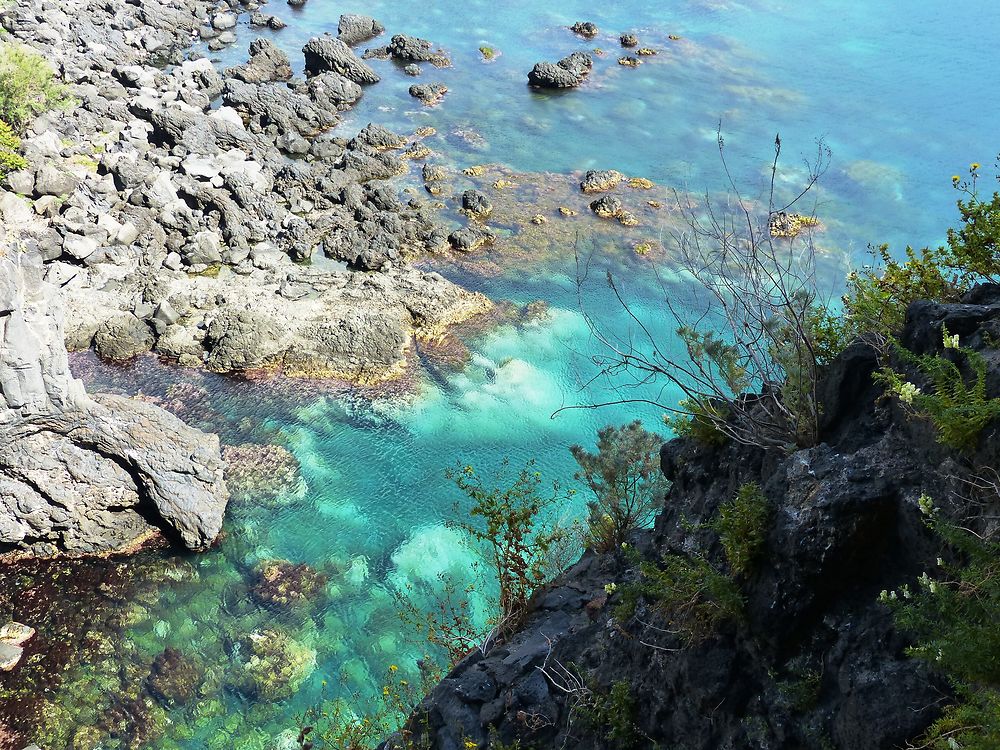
174,205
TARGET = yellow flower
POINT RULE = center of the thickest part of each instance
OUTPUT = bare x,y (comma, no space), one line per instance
470,745
974,166
385,691
393,667
955,178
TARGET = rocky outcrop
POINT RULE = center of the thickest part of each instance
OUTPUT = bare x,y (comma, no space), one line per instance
813,660
567,73
168,212
81,474
353,29
327,53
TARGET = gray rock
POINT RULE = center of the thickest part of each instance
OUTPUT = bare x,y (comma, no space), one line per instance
607,207
326,53
267,63
414,49
123,337
50,180
205,248
79,246
21,182
476,204
412,70
567,73
598,181
428,93
223,21
10,655
354,29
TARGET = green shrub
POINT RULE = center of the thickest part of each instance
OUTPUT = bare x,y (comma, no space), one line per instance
878,294
625,478
700,422
612,716
10,157
742,526
688,591
506,527
958,410
953,617
27,86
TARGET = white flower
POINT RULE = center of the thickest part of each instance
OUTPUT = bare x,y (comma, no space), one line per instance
610,588
926,505
953,744
906,392
950,342
940,562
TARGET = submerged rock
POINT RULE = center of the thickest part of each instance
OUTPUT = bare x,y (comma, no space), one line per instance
271,665
282,584
262,475
174,678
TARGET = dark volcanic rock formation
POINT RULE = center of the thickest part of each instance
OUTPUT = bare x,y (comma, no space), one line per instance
567,73
814,661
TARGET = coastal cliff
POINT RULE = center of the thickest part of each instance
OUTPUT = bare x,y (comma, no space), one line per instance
812,659
85,474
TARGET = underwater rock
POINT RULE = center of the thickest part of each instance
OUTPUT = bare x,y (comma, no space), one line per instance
599,181
173,678
353,28
262,475
629,62
586,29
628,40
412,70
270,665
285,584
567,73
787,225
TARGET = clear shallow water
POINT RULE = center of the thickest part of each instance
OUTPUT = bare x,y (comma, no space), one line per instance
895,91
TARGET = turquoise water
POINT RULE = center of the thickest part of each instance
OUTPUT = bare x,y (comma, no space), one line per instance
896,92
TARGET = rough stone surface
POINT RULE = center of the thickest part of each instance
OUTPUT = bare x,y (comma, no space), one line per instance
82,474
845,526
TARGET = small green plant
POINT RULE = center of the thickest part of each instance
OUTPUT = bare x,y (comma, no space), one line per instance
958,409
688,591
699,421
28,86
612,715
343,723
742,526
625,478
488,53
506,527
953,617
879,294
10,145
